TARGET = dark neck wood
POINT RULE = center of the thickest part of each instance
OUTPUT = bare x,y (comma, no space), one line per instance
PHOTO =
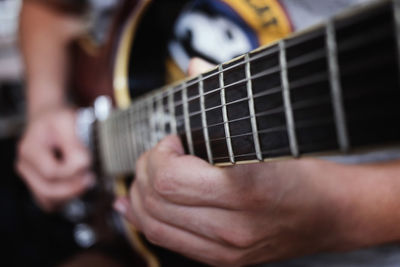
331,88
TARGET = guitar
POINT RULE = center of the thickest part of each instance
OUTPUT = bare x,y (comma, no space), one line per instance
331,89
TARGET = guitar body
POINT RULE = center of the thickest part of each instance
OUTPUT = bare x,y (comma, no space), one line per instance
140,35
105,71
292,111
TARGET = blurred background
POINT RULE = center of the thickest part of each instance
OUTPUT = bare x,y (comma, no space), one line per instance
29,237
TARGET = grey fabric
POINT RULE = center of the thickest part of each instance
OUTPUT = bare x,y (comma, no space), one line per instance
304,13
385,256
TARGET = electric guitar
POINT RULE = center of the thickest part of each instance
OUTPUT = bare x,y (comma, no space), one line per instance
331,89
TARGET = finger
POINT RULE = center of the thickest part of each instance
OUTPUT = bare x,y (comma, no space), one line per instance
38,154
58,191
170,237
75,157
198,65
185,179
123,206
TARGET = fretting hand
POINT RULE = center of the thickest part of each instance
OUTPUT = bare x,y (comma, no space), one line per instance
247,214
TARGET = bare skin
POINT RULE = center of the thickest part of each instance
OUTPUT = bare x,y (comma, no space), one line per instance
51,159
223,216
255,213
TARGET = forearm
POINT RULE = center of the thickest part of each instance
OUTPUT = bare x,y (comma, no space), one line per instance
368,203
44,36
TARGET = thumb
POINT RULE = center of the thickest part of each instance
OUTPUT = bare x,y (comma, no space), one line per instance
75,157
198,65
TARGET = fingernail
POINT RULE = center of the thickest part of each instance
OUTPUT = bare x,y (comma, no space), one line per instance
119,206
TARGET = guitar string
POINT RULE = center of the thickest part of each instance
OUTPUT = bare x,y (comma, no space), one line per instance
299,103
264,73
277,150
316,122
315,78
259,132
268,51
238,82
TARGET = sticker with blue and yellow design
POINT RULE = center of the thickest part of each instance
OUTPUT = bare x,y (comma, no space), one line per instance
219,30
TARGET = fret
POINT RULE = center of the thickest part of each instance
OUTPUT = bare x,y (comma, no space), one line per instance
286,100
137,131
105,148
116,128
151,123
171,107
161,114
186,119
158,118
225,115
204,120
127,152
122,140
112,143
252,110
131,137
144,126
336,90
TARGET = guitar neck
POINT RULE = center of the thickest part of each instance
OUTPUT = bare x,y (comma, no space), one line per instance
334,87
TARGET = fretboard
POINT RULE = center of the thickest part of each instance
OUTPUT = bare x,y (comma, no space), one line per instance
331,88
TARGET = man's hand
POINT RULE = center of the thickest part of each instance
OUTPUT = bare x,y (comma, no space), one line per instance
229,216
52,160
254,213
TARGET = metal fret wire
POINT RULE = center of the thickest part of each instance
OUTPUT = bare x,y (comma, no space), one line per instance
104,132
336,89
130,137
145,124
256,139
270,91
171,109
287,102
161,121
150,121
124,139
187,121
204,121
225,116
299,105
220,70
268,51
264,113
118,141
317,122
137,132
145,105
276,69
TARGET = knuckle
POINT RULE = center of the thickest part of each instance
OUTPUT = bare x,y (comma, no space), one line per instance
149,203
241,238
153,234
163,182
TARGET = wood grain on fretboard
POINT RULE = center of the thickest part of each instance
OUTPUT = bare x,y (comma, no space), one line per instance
332,88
